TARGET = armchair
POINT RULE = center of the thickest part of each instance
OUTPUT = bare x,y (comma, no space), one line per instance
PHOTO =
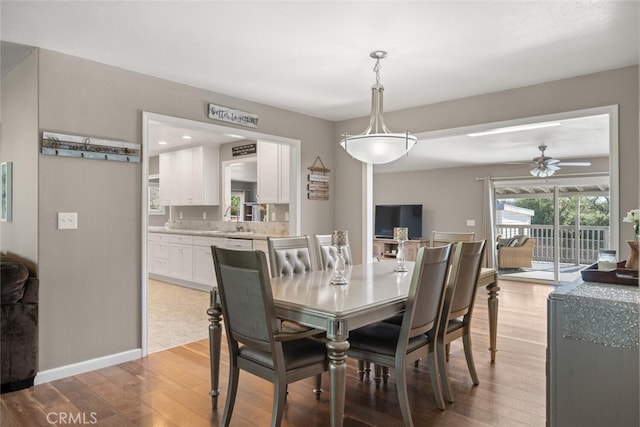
19,325
516,252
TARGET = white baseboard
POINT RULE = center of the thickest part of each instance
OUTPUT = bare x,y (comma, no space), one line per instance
86,366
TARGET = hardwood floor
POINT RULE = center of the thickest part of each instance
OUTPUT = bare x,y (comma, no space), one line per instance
170,387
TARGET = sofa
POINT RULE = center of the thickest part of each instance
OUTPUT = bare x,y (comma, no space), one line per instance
515,252
19,325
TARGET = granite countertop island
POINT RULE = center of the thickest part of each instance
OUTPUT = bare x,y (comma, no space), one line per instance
593,355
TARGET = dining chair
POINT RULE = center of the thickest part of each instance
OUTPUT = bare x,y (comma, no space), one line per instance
458,308
327,253
290,255
441,238
391,345
255,341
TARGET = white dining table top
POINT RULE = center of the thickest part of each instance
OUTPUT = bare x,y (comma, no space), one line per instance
370,285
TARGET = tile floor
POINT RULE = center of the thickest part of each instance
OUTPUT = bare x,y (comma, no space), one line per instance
176,315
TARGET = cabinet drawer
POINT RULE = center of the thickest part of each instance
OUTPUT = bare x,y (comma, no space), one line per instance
181,239
159,266
208,241
160,250
158,237
239,244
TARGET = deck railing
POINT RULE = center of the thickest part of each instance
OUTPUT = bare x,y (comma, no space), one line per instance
577,245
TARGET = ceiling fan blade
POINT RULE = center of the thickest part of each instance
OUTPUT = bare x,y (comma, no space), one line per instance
551,161
574,164
520,163
553,167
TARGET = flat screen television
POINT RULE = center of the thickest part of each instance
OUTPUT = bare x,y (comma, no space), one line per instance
389,216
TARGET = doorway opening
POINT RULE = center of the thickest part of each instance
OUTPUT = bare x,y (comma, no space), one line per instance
210,135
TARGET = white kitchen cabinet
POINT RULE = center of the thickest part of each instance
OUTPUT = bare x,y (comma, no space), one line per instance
158,256
181,257
203,260
190,176
273,172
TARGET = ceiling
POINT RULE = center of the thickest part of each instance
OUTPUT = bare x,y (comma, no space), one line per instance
312,57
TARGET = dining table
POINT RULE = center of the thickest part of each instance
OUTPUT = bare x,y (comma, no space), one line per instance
374,292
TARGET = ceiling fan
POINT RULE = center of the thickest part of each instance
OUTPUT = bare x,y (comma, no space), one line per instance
544,166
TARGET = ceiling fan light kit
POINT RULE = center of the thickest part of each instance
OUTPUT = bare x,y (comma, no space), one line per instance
377,144
544,166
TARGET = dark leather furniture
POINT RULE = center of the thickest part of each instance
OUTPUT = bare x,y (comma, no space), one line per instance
19,325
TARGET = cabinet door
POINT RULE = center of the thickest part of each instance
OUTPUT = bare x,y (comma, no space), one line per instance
168,179
268,182
181,261
203,265
190,176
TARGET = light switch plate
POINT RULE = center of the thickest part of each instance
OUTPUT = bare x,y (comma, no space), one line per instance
471,223
67,220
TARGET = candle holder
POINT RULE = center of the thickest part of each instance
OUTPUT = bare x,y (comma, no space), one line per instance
339,239
400,234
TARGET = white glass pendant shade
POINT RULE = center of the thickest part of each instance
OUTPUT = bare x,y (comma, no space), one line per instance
377,145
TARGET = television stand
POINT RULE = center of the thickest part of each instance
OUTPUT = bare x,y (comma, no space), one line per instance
388,248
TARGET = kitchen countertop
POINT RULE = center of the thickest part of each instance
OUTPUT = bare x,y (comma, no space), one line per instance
209,233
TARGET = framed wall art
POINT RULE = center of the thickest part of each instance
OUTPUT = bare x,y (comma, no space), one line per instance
6,175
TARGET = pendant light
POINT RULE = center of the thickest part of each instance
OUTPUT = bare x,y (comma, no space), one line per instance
377,144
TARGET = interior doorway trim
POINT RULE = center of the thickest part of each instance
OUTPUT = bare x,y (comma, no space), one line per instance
294,190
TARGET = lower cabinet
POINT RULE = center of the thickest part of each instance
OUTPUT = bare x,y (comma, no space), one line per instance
388,248
186,260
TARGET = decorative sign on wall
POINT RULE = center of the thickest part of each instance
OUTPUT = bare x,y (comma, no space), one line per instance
58,144
318,186
243,150
238,117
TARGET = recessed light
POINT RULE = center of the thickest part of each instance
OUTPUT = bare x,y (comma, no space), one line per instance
515,128
233,135
186,137
162,142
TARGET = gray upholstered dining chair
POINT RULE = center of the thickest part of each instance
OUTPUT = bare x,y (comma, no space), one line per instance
441,238
327,253
255,341
458,307
391,345
290,255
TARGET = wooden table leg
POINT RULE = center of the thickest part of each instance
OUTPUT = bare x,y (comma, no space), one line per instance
336,350
492,301
215,340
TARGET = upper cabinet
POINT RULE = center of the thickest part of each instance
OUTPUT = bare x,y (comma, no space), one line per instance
273,172
190,176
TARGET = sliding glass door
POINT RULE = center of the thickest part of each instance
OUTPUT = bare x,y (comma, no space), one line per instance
568,218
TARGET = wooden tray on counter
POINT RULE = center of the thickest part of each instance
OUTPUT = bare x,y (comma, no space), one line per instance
619,276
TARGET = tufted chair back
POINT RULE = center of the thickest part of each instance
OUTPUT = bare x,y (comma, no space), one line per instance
290,255
328,253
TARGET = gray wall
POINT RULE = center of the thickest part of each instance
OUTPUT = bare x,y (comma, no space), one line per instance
91,277
18,136
620,86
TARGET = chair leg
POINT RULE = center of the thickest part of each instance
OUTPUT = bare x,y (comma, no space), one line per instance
318,388
377,376
444,372
364,368
448,351
468,353
234,373
403,396
385,374
432,361
279,396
